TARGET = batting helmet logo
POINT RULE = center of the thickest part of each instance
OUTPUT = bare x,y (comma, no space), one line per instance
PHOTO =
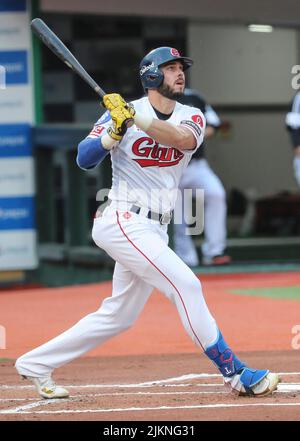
145,68
175,52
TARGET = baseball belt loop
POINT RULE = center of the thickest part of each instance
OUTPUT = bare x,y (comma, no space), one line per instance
165,218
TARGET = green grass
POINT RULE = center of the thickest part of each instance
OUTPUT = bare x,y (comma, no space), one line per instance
3,360
237,268
283,293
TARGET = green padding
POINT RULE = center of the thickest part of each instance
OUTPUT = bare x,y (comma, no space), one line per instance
286,293
247,268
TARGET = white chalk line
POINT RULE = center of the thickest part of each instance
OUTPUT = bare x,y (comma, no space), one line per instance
22,409
122,394
139,409
152,383
116,386
281,388
144,384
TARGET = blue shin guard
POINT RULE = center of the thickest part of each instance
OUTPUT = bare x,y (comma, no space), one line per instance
223,357
229,365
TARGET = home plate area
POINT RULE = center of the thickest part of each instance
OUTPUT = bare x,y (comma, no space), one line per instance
194,396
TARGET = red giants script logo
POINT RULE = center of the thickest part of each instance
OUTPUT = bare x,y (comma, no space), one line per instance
151,154
197,119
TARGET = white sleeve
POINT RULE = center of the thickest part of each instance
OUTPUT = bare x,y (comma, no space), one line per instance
212,119
292,120
296,103
195,122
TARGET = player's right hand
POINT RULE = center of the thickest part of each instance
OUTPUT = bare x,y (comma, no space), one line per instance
113,100
122,118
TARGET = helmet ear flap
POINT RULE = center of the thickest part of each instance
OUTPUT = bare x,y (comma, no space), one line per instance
152,79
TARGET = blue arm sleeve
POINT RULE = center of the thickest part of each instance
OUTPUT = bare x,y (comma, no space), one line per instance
90,153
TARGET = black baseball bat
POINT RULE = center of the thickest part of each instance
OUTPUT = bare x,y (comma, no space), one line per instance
57,46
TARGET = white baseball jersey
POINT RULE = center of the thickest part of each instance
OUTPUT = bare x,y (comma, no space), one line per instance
292,119
145,172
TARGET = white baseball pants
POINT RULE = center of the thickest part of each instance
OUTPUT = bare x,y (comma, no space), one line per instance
199,175
296,164
144,261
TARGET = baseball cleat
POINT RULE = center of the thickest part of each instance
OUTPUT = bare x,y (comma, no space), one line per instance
221,259
254,383
47,388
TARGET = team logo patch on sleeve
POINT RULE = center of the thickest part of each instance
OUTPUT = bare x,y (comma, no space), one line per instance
198,120
97,130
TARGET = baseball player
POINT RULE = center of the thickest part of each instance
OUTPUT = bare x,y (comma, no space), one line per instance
150,142
198,174
293,125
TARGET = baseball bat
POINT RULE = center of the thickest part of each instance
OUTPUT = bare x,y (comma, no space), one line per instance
57,46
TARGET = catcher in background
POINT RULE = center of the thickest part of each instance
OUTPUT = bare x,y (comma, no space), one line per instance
293,125
199,175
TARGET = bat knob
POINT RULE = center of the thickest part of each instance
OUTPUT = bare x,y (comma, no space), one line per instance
129,122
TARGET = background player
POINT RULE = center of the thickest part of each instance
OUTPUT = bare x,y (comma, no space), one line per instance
149,155
293,124
200,175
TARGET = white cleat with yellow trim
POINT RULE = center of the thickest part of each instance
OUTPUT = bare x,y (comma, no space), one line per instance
47,388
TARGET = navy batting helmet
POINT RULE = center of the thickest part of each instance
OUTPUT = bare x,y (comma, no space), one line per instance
150,73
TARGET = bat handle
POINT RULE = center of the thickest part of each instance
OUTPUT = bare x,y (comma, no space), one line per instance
99,91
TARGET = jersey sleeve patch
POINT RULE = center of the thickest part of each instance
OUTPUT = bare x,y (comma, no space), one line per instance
195,122
198,120
101,125
96,132
192,125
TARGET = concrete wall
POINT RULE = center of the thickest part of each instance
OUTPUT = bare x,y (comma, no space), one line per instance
239,69
271,11
235,66
256,154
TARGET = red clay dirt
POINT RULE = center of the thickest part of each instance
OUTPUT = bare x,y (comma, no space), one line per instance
155,348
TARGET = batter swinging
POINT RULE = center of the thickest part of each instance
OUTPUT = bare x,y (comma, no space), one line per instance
151,142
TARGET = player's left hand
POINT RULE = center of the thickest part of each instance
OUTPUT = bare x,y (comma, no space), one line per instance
122,118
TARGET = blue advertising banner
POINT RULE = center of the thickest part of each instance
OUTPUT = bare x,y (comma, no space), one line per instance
15,140
17,213
17,187
15,64
12,5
